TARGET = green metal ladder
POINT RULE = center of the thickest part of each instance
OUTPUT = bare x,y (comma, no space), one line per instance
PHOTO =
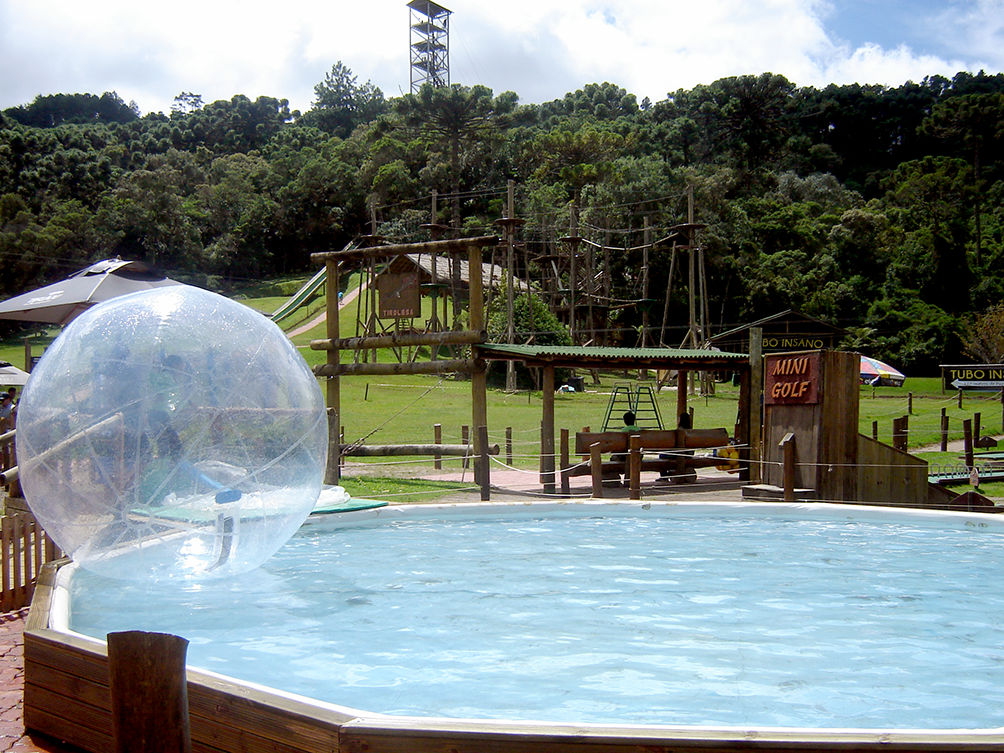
640,400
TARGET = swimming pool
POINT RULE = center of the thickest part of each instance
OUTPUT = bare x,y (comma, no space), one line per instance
645,613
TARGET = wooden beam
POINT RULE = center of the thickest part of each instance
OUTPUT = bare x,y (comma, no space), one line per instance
388,450
439,247
386,369
398,340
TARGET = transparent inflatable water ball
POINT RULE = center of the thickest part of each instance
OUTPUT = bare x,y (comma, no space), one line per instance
171,434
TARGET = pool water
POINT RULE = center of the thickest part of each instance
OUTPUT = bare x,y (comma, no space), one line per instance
660,617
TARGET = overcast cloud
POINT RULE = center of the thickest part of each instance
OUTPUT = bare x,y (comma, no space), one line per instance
541,49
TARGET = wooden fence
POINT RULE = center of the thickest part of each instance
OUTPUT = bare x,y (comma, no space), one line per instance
24,548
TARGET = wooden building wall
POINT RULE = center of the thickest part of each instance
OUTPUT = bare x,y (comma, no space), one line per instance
825,429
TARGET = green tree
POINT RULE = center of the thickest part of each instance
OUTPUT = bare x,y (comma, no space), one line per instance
983,335
461,117
578,158
930,198
974,122
534,323
341,103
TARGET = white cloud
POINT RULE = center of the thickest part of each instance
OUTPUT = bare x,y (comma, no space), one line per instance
975,31
538,48
871,64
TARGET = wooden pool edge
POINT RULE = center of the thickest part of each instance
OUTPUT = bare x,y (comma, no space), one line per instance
66,696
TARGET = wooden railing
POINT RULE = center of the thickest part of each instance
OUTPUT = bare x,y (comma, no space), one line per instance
24,548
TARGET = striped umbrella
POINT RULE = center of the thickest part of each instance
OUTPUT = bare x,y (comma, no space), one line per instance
874,371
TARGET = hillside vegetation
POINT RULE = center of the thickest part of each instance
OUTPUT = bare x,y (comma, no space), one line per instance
878,209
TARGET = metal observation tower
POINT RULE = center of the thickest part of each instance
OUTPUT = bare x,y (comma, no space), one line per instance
430,44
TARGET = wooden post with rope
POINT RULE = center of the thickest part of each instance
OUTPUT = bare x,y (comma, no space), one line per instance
333,369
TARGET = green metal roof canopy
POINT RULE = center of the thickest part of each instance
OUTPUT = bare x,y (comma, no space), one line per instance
587,357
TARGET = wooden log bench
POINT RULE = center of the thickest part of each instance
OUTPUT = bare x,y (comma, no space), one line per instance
627,455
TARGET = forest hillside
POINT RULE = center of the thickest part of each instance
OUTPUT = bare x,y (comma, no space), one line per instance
877,209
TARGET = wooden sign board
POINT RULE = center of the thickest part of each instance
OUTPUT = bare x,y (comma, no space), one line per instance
973,376
791,379
796,342
400,295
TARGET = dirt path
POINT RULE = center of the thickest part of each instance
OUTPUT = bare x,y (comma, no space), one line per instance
323,316
956,445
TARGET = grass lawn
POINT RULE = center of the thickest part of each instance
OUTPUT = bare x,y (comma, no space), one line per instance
404,409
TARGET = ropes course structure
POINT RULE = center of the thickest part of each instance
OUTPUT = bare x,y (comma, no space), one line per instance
575,269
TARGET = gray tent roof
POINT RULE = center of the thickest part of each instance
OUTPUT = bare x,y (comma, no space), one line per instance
62,302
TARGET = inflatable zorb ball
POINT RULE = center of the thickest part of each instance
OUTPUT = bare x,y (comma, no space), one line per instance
171,434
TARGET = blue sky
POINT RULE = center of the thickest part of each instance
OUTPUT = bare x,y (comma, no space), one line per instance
541,49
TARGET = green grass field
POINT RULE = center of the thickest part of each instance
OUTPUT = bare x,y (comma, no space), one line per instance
404,409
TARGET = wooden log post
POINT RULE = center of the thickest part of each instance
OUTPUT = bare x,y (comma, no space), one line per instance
508,446
547,431
486,474
565,463
634,466
960,398
465,439
977,427
333,464
967,438
333,393
900,430
909,403
479,376
596,469
149,692
756,405
681,393
875,430
437,438
944,428
787,445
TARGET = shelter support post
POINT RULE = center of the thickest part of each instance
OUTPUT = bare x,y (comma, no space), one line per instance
756,404
547,431
743,425
566,488
681,393
634,466
485,478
